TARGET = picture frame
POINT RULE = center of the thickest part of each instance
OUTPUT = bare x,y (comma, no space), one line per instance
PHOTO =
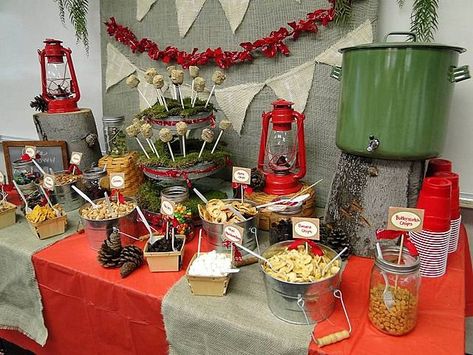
53,154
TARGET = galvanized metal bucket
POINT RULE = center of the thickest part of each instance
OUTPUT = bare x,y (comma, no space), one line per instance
302,302
98,230
214,231
66,196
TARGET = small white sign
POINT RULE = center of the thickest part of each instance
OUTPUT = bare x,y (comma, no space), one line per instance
405,219
167,207
76,157
2,178
31,151
241,175
117,180
49,182
305,228
233,233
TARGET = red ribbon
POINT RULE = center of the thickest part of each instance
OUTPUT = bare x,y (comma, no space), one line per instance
169,123
314,248
390,235
118,194
71,169
180,173
236,253
246,188
269,46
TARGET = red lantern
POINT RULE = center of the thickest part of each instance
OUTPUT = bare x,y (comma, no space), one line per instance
58,78
282,149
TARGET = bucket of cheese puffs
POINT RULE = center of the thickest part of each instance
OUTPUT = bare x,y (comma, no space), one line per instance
99,222
299,285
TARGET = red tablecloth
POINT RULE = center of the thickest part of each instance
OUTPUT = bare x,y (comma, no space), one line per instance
91,310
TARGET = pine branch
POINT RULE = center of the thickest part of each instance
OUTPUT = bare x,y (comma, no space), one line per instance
343,10
424,19
401,3
77,10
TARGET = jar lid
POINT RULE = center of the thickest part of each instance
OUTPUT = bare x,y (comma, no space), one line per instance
292,210
175,193
113,121
22,163
94,173
389,262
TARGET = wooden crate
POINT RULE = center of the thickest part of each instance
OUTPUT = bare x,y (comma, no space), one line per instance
7,216
50,227
205,285
165,261
260,197
127,164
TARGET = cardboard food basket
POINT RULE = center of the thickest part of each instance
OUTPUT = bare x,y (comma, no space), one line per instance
165,261
50,227
7,216
207,285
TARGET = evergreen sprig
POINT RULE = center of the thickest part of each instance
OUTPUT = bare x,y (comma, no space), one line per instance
343,10
424,19
77,10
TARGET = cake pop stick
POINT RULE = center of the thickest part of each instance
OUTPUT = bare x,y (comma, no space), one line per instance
170,69
224,125
199,86
133,131
194,73
166,136
177,78
181,129
132,81
218,78
147,132
207,137
158,82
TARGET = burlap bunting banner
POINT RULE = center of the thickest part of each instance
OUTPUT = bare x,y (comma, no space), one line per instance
234,101
235,11
142,8
118,67
187,12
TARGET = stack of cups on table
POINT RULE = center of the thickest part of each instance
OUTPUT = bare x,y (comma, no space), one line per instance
432,241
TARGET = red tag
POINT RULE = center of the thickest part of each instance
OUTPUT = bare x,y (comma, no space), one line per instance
316,250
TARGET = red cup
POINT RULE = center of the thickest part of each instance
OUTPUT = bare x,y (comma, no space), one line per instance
437,165
455,201
438,187
435,200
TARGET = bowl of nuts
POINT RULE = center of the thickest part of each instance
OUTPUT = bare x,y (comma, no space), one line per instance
99,221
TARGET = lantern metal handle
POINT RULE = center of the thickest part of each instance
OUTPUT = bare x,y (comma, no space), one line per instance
408,34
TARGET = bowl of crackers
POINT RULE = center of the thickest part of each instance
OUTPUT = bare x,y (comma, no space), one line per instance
216,213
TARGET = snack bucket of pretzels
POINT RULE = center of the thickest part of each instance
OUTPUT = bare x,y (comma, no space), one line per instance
65,195
216,213
99,222
299,287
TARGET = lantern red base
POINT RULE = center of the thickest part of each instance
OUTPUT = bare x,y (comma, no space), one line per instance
281,184
62,106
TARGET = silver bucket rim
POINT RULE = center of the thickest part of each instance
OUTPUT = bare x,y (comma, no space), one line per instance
87,204
238,223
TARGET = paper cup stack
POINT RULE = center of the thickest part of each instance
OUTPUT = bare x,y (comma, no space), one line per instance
433,241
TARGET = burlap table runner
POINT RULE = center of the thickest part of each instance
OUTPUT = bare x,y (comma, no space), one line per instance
238,323
20,300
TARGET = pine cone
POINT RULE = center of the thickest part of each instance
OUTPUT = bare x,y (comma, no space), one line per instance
108,257
335,238
39,104
131,259
257,179
114,241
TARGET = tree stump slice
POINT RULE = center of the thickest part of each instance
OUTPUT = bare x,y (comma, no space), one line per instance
72,127
362,191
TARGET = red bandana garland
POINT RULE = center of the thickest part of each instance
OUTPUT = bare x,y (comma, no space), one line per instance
269,46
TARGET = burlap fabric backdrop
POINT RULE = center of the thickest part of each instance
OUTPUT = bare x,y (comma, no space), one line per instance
211,29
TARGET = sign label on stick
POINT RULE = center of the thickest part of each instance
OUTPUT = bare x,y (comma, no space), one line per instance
305,228
405,219
233,233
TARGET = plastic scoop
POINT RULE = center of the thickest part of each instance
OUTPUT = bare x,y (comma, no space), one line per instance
199,194
58,213
84,196
38,166
145,222
333,260
387,294
284,203
236,212
254,254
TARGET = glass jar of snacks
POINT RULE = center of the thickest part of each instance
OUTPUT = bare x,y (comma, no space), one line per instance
24,174
182,219
115,137
95,182
394,291
281,224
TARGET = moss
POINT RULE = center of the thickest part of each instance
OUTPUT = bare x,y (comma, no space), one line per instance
149,193
158,111
219,157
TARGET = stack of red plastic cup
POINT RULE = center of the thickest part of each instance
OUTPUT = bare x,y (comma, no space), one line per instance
433,241
438,165
454,207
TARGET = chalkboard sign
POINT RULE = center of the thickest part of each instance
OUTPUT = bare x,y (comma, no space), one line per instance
53,154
